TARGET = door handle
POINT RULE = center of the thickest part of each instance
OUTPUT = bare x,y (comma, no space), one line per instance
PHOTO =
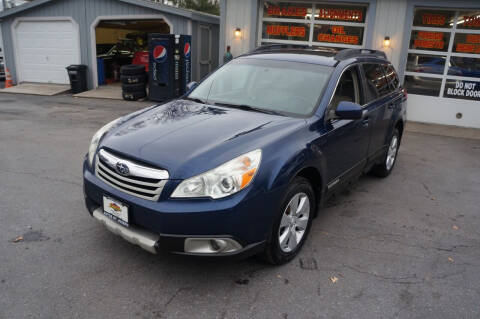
366,121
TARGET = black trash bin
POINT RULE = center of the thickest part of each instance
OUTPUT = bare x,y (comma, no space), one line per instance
78,77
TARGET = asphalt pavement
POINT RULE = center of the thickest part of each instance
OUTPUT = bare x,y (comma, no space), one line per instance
407,246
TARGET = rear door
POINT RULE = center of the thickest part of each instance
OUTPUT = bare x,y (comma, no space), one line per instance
378,97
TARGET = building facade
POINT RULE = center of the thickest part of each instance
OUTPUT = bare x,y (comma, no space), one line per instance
42,37
434,45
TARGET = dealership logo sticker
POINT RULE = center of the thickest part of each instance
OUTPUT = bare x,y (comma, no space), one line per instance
186,50
160,54
115,207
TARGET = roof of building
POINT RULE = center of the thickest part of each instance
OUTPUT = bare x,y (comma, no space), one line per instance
187,13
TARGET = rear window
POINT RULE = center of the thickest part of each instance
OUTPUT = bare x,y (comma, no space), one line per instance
376,81
392,76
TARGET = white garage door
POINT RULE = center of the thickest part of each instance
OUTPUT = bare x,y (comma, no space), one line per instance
44,49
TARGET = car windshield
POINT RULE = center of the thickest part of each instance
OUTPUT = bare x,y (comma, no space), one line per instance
283,87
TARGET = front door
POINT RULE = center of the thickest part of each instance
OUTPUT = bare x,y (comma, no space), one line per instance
204,51
345,143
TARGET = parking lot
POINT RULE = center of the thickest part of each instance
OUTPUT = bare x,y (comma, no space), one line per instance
403,247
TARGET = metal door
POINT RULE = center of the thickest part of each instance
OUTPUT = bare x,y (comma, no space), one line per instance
204,50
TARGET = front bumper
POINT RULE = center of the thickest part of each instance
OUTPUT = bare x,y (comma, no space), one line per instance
155,243
166,225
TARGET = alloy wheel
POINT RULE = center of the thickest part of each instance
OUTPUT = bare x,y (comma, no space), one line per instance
294,222
392,152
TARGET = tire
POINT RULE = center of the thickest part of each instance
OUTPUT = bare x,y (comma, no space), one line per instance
134,96
132,88
280,249
134,79
388,162
132,69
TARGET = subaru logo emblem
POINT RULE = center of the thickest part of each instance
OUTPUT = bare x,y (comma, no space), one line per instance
122,169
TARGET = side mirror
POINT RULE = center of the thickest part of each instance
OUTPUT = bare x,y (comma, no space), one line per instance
348,111
191,86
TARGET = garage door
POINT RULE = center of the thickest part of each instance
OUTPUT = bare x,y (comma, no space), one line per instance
44,49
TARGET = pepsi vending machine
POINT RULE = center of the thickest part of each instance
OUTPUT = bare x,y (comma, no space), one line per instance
170,65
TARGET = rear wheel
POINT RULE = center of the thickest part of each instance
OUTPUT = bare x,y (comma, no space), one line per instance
386,166
292,223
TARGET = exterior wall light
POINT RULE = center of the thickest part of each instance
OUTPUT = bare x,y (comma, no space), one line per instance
386,42
238,33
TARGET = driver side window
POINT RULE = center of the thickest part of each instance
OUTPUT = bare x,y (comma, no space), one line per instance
347,90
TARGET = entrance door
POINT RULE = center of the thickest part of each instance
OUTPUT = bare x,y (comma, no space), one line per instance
205,50
44,49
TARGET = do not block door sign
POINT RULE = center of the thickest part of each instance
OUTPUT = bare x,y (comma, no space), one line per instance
460,89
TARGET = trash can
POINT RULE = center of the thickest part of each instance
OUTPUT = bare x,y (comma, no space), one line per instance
78,77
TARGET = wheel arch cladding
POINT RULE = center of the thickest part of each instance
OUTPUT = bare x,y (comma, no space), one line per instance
312,174
400,127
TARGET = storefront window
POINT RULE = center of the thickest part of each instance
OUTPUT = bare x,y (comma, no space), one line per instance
464,66
433,18
287,10
444,54
423,85
314,23
338,34
429,40
466,43
340,13
424,63
469,20
286,31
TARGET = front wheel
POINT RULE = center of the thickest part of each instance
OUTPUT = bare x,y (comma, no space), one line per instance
385,168
292,223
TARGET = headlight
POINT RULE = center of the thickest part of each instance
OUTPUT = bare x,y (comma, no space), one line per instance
96,139
225,180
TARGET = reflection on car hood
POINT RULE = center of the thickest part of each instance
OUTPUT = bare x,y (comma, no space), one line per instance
187,138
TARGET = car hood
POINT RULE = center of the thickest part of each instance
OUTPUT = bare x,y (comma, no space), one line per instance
188,138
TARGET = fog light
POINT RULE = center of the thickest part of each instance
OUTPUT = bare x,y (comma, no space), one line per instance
211,245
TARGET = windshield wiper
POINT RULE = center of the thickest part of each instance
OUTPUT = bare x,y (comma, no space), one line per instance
247,108
194,99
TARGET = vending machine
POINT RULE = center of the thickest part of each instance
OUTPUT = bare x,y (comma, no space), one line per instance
170,66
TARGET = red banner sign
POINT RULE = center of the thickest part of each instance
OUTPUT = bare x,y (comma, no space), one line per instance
433,19
429,40
471,21
340,14
471,44
287,11
290,31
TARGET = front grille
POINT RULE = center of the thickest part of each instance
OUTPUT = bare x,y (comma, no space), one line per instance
141,181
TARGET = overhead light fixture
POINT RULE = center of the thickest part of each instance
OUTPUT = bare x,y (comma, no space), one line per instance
238,33
386,42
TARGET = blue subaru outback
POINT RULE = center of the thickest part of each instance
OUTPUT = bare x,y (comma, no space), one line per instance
241,164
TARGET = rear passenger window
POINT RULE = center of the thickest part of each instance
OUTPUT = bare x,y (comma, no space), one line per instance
392,77
376,81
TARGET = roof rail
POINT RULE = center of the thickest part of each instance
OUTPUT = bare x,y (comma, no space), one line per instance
280,46
353,53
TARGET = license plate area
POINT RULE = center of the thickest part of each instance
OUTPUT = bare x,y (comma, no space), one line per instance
115,210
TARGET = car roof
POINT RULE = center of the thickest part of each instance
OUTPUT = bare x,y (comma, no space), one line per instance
313,54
